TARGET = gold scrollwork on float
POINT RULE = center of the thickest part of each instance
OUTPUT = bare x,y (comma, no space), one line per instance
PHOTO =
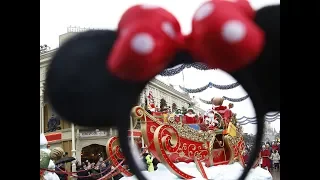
184,130
138,113
200,168
192,150
115,154
166,140
201,145
227,140
189,133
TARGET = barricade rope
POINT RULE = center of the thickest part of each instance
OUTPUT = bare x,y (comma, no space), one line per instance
72,174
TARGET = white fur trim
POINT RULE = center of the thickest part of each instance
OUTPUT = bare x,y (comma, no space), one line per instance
190,115
215,121
211,115
152,109
51,165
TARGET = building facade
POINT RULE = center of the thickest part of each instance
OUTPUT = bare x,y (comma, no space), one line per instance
270,134
73,138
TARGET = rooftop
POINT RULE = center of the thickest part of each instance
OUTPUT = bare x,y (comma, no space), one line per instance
46,57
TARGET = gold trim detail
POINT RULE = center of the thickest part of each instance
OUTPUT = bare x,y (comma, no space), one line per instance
166,140
114,152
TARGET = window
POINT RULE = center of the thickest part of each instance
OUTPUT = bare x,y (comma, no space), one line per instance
52,122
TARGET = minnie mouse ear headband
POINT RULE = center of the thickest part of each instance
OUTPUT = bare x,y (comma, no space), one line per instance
93,73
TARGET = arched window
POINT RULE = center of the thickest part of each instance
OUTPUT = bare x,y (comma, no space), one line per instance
163,104
174,107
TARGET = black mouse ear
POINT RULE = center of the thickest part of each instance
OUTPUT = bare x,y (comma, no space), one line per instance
184,57
268,18
181,57
265,71
261,79
78,84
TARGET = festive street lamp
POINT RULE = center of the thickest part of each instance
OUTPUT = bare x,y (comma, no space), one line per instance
44,48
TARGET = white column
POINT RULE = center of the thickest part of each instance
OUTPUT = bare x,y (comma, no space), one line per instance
131,128
73,145
73,141
42,114
78,146
142,143
40,117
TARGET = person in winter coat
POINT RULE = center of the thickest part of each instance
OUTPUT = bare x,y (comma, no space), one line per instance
275,156
265,154
155,163
149,163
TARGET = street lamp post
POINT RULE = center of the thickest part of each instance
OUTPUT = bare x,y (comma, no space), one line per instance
73,146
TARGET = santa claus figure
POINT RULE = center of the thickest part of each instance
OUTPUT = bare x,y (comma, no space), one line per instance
222,110
190,112
46,161
152,107
265,154
210,120
217,104
274,146
245,157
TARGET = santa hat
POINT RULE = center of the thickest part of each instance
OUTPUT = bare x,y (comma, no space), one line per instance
43,140
150,97
190,109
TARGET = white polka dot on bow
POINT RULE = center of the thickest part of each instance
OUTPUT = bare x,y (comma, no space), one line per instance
233,31
142,43
204,11
167,28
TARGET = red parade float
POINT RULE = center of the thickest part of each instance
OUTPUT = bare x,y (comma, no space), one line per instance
170,139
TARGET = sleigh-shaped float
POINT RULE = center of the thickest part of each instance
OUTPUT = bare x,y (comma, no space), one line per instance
171,140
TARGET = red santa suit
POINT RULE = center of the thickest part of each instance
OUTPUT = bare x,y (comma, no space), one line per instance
211,121
225,113
265,154
275,147
220,108
245,158
152,107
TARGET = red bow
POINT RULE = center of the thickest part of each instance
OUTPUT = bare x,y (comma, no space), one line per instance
223,36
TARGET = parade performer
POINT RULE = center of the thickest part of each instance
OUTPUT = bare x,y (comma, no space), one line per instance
190,117
151,105
265,155
223,110
274,146
149,163
45,160
210,120
275,157
217,104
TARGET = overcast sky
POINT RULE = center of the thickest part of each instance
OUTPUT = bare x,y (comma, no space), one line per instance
57,15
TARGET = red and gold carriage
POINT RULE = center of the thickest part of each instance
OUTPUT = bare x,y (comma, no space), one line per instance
170,139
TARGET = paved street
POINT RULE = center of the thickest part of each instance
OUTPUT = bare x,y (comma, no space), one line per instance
275,175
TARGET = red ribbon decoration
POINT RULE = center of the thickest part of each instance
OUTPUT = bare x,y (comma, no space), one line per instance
223,36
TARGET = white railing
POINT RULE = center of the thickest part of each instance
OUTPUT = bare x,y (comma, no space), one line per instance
79,29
